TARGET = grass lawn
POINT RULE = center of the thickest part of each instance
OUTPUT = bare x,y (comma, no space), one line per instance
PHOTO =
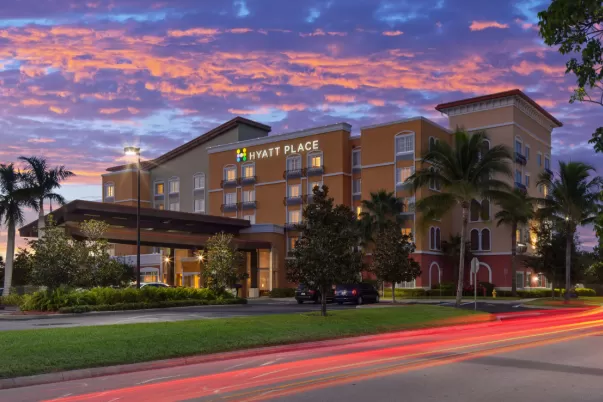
435,297
581,302
39,351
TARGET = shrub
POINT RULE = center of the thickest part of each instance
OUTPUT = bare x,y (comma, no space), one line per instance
585,292
488,286
11,300
282,292
149,305
62,297
406,293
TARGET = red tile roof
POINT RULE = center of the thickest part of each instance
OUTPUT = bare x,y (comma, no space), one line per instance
213,133
514,92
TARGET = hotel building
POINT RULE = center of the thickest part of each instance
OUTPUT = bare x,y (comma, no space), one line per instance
256,185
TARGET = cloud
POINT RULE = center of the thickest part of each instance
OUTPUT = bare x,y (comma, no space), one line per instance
481,25
392,33
527,67
340,98
41,140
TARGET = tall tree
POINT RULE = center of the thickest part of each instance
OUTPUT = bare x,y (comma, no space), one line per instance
381,208
452,249
326,253
575,26
466,171
43,180
223,262
391,257
517,209
13,199
572,200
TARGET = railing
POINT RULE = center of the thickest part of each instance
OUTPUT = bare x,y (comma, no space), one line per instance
290,200
248,179
519,158
291,225
229,207
520,187
315,170
247,205
229,183
294,173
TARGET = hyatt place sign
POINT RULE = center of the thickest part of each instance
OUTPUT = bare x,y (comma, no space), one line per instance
244,154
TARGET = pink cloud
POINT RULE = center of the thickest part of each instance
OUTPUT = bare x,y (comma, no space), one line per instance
41,140
392,33
481,25
526,68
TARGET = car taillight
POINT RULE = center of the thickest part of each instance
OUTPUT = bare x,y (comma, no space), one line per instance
312,292
354,292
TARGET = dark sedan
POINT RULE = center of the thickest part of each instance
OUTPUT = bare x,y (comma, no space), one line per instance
358,293
304,294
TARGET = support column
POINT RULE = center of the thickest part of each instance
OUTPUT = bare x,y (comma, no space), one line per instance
253,274
170,267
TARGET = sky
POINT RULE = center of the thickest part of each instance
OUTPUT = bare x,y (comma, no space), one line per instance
80,79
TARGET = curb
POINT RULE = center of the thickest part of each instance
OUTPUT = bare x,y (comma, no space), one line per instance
26,317
41,379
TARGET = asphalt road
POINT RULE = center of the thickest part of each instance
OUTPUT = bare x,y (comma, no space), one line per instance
555,356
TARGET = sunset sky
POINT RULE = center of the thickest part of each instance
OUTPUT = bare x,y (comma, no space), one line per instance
80,79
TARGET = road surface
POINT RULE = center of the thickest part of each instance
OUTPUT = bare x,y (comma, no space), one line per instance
529,356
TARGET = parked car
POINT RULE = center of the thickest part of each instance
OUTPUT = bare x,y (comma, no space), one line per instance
303,293
358,293
151,285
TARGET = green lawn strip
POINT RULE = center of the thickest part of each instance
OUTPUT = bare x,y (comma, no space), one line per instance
30,352
558,302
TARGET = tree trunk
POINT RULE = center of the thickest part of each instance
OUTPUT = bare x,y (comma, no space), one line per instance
323,301
10,256
568,261
513,261
393,292
553,289
41,220
459,287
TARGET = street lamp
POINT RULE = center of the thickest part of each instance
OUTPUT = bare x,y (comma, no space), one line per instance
131,151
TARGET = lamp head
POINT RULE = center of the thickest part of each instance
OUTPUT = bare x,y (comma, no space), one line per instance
130,151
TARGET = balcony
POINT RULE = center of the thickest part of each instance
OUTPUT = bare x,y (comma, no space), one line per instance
293,173
227,183
408,208
248,205
315,170
356,196
520,187
229,207
519,158
293,200
548,171
248,179
291,225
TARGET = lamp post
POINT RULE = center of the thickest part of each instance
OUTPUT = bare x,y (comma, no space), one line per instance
131,151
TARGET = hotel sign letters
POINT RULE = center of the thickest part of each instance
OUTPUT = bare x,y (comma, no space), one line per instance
286,150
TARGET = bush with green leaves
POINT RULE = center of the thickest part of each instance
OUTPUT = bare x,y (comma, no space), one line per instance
149,305
54,300
282,292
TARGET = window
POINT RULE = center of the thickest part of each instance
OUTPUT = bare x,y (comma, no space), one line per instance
161,206
313,184
358,212
159,188
291,243
475,211
547,163
248,170
315,160
174,206
230,198
250,218
485,239
174,186
434,238
403,173
527,180
474,240
432,142
109,190
527,155
518,176
539,158
199,205
230,173
294,190
545,190
405,144
356,158
406,231
294,162
434,183
199,181
518,146
295,216
356,186
485,210
249,196
519,279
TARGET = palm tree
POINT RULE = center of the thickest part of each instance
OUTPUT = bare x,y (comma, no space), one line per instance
381,208
13,198
517,209
452,249
43,181
465,172
572,200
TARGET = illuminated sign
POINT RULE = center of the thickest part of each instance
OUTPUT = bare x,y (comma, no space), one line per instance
276,151
241,155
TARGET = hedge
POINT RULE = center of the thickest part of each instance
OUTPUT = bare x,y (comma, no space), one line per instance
282,292
11,300
446,291
58,298
148,305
